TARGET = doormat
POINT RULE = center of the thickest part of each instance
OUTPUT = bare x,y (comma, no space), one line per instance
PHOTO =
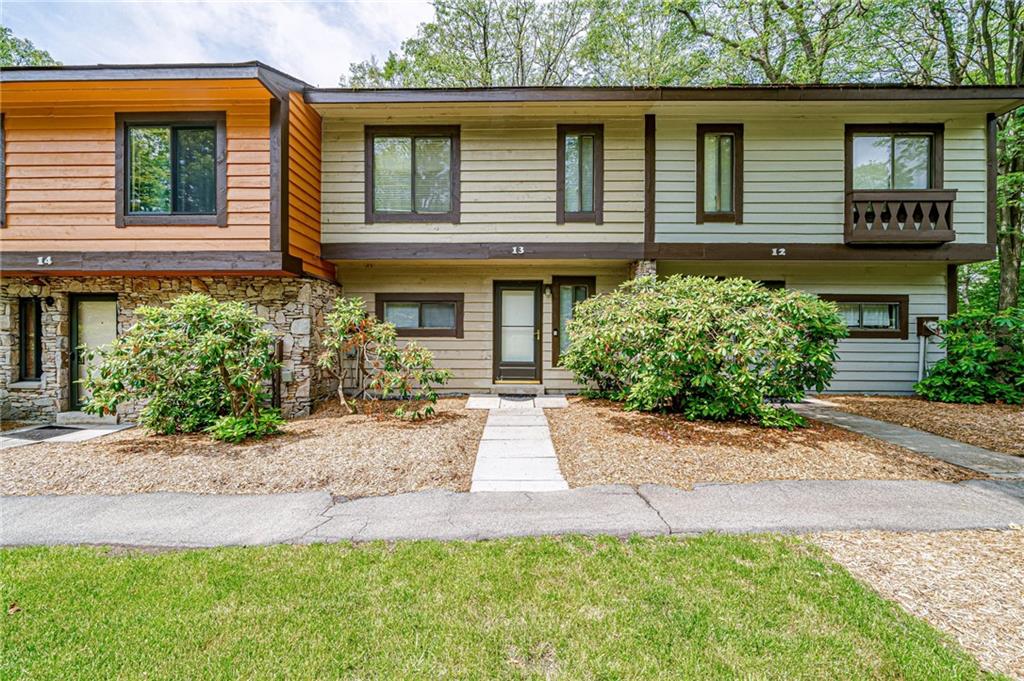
517,398
43,433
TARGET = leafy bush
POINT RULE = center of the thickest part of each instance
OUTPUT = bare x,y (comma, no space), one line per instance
235,429
192,362
984,359
355,337
708,349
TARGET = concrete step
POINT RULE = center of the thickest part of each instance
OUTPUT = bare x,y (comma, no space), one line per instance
69,418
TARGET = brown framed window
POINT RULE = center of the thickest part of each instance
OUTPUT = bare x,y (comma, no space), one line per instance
30,339
566,292
422,314
894,157
873,316
579,191
412,173
719,173
171,169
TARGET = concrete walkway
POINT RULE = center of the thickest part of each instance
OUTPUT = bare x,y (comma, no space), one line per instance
995,464
516,453
184,520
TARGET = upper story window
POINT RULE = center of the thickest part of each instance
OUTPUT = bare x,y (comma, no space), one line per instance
894,157
171,169
580,183
719,173
412,174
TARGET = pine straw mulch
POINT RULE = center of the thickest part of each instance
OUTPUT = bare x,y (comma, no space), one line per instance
365,454
968,583
999,427
599,443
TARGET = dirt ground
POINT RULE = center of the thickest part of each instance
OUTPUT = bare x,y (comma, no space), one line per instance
999,427
599,443
11,425
359,455
969,584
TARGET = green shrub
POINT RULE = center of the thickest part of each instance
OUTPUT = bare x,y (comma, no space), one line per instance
238,428
191,362
984,359
705,348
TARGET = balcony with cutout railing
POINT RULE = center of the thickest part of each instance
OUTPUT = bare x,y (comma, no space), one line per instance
903,217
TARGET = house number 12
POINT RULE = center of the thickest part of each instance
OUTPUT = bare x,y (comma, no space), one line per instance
779,251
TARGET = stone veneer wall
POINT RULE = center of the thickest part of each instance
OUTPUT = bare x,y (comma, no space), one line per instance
293,307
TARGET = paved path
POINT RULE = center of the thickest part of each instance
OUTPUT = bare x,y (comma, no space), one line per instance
166,519
985,461
516,453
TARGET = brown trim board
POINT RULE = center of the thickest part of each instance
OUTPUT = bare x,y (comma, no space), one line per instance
952,290
991,175
510,250
458,298
782,252
650,179
777,252
65,263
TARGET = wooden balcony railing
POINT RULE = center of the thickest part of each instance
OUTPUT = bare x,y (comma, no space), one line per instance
913,216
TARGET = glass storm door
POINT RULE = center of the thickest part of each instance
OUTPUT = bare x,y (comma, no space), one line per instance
93,325
517,322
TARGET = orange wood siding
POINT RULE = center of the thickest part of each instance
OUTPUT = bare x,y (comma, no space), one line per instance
304,187
60,156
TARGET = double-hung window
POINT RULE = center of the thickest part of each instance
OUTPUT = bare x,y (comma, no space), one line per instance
422,314
30,339
895,157
580,182
412,174
171,169
873,316
719,173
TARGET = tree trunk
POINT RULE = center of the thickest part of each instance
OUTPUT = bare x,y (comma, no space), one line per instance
1010,242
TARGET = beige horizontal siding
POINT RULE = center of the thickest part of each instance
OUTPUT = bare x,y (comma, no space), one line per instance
865,364
793,178
470,358
507,183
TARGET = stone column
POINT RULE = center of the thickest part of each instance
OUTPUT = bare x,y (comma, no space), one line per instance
641,268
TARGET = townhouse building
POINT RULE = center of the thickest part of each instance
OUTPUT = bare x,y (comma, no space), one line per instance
474,219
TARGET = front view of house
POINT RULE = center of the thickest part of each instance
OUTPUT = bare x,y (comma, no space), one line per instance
473,219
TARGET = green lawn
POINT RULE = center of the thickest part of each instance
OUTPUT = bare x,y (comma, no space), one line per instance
712,606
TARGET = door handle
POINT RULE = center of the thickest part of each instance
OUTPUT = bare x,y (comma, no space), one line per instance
536,334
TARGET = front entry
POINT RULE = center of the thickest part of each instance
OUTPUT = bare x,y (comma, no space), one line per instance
93,324
517,331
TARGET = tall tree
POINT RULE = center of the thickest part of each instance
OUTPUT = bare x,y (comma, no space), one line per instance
780,41
486,43
971,42
15,51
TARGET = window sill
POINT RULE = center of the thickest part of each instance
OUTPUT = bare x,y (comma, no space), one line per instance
160,220
446,219
25,385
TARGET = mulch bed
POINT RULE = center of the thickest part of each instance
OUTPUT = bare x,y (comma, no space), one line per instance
366,454
12,425
999,427
969,584
599,443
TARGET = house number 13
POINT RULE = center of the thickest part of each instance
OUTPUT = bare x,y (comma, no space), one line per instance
518,250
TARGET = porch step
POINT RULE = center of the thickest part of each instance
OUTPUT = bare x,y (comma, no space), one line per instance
517,389
67,418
